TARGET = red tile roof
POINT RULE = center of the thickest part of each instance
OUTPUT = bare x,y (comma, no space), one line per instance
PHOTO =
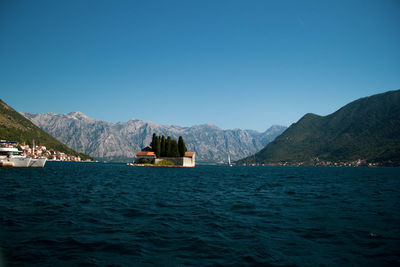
145,153
189,154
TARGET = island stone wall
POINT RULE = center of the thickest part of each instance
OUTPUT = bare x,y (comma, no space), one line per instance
179,161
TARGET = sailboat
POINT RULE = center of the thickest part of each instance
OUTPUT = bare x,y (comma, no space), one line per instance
229,160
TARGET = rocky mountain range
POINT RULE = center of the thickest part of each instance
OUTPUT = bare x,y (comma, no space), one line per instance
120,141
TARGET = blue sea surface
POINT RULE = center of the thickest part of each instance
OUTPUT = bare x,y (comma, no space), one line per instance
96,214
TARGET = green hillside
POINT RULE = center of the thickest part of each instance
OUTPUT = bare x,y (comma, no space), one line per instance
15,127
367,129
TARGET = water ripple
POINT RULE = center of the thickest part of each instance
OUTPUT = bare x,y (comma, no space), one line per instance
109,214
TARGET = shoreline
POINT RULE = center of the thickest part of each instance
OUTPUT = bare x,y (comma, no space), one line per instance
156,166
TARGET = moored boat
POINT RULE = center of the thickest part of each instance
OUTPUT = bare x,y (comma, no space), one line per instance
12,157
37,162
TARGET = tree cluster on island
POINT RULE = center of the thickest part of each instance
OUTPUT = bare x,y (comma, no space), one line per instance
167,147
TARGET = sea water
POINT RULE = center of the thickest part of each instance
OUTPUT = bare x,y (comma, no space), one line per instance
95,214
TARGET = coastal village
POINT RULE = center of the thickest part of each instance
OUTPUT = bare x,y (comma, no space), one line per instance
38,151
318,162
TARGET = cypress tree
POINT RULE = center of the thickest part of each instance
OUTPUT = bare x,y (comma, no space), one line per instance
153,141
162,153
157,146
181,146
168,146
174,149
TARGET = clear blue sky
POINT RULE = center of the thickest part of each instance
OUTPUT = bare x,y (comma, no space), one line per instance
237,64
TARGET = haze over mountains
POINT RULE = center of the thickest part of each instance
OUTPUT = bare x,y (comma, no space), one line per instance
120,141
367,129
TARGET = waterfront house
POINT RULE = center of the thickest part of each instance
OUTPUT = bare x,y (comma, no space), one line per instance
189,159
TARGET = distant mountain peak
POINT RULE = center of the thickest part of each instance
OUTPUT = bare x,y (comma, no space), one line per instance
78,115
207,126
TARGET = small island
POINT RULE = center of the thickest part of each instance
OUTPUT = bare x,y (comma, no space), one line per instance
165,152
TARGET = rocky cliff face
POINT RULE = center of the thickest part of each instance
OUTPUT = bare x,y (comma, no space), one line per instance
120,141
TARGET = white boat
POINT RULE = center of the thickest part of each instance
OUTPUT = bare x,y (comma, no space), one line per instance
229,160
37,162
12,157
